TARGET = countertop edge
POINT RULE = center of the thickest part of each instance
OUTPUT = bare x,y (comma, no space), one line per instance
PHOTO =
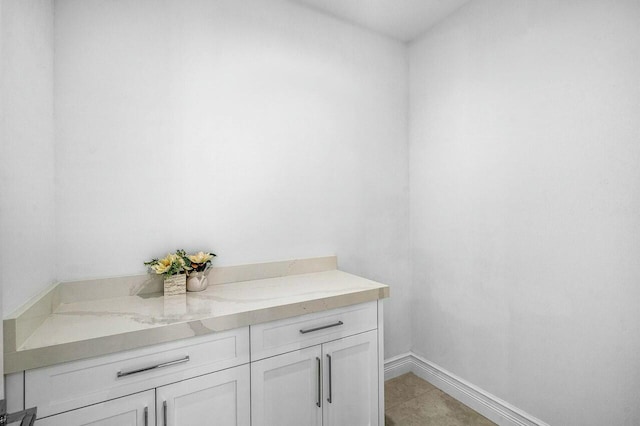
17,361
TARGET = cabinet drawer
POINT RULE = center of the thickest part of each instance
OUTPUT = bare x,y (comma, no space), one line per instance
290,334
80,383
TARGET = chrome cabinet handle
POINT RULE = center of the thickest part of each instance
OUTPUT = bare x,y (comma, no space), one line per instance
164,412
163,365
146,416
322,327
329,399
319,402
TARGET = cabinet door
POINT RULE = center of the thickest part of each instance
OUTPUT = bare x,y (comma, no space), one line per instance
133,410
286,389
220,399
351,381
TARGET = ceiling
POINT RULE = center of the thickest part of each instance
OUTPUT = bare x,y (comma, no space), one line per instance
401,19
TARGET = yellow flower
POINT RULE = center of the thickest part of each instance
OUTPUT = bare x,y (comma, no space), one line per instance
163,264
200,257
160,268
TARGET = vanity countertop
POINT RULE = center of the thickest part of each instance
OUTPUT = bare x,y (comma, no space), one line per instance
62,325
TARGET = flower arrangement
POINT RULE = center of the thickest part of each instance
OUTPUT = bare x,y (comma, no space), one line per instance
181,263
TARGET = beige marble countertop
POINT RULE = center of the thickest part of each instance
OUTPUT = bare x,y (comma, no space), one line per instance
80,326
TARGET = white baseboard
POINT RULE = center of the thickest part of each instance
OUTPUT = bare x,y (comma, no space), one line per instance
490,406
398,365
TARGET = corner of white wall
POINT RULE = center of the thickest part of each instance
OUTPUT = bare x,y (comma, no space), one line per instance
27,213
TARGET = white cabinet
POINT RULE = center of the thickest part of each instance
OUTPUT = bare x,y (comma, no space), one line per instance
319,369
278,337
286,389
120,389
220,399
333,383
77,384
132,410
351,381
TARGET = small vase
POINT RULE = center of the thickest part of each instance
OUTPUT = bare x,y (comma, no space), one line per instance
197,281
175,284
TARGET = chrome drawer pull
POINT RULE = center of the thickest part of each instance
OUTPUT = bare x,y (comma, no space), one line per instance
330,387
322,327
155,367
164,412
319,402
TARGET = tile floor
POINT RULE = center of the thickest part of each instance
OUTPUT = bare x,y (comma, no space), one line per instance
411,401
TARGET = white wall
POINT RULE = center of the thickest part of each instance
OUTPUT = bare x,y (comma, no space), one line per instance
266,131
259,130
27,216
525,199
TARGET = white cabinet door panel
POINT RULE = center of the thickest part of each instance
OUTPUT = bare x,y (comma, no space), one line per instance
286,389
125,411
220,399
351,381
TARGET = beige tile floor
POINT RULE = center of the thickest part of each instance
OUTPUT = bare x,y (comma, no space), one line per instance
411,401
